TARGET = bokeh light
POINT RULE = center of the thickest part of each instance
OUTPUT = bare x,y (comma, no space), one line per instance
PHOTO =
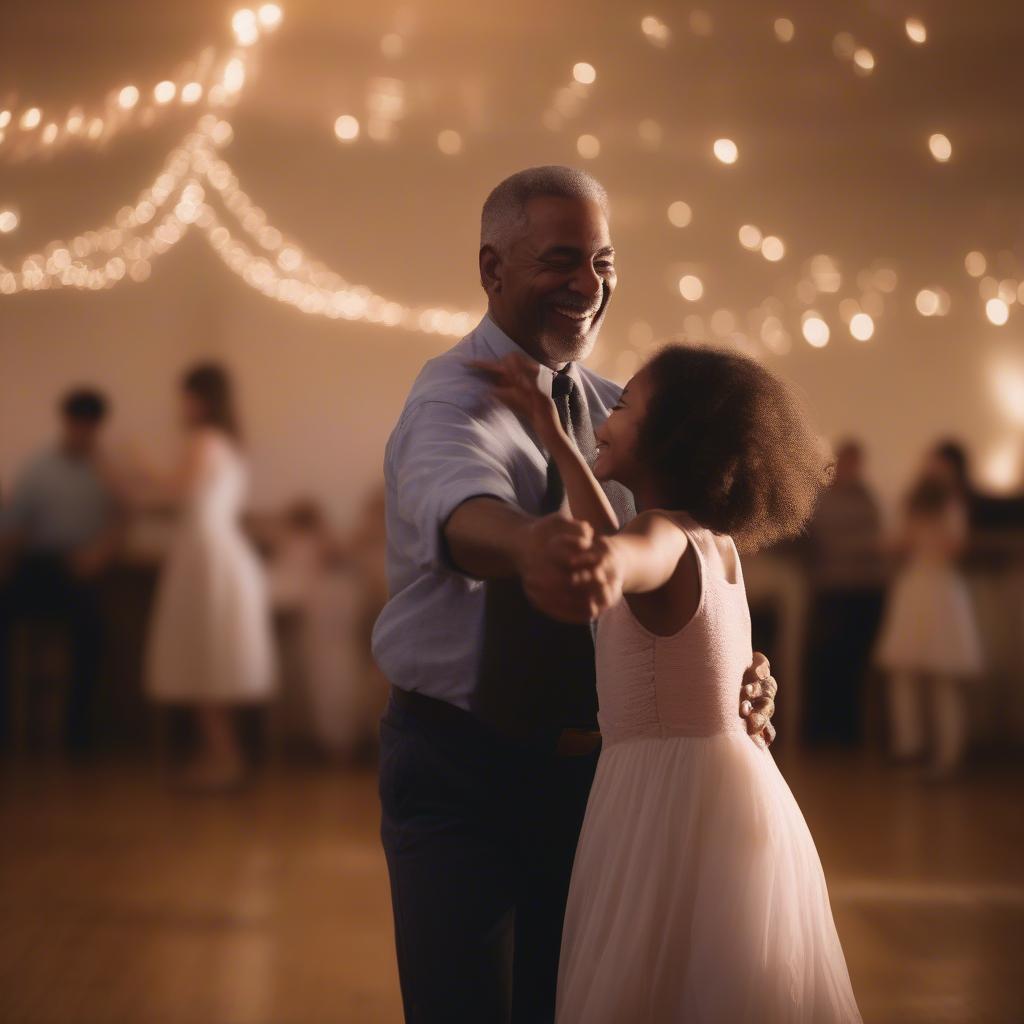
691,287
726,151
679,214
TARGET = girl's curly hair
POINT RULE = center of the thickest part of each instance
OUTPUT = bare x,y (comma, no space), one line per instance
731,444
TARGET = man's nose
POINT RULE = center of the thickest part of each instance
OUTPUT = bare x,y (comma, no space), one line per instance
586,281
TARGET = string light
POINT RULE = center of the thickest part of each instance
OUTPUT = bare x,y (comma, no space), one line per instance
815,330
975,264
784,30
8,221
750,237
772,248
128,97
346,128
218,78
941,148
997,311
584,73
180,199
449,142
863,60
656,31
269,17
726,151
679,214
691,287
916,30
927,302
862,327
246,27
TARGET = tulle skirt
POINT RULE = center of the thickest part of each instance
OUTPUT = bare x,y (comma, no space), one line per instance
697,894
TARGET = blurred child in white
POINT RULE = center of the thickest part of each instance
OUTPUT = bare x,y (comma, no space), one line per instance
929,640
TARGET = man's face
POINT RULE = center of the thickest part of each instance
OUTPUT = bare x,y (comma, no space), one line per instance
550,290
79,436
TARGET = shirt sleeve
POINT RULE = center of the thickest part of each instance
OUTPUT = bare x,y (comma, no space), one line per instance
442,456
16,514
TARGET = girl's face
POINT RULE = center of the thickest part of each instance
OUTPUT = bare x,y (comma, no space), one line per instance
617,436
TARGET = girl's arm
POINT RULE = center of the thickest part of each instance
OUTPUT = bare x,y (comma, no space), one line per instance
515,383
647,551
155,487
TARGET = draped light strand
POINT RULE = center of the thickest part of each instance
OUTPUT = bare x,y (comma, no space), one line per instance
178,200
212,80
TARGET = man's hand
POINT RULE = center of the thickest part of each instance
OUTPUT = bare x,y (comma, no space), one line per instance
757,701
566,572
88,561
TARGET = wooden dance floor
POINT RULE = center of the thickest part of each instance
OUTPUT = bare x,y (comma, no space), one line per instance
124,904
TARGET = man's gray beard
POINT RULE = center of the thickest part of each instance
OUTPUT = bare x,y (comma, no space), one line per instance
569,350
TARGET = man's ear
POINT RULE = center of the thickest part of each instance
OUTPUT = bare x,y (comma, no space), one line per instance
490,269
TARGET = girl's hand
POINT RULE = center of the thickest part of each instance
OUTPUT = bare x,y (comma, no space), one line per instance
515,383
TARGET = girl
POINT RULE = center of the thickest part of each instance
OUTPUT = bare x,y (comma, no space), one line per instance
697,894
929,634
210,643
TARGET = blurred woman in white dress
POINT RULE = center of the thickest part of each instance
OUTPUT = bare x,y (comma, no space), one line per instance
929,641
210,642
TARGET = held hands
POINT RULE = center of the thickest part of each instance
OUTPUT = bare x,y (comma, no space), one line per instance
757,701
567,571
514,379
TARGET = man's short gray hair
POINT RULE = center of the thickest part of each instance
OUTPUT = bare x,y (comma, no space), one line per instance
504,211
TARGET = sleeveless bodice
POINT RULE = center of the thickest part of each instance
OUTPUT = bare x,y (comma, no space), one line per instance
216,501
686,684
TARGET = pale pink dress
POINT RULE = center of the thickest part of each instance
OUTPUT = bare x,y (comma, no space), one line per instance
697,894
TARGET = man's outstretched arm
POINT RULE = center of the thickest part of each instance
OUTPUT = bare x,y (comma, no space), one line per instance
489,538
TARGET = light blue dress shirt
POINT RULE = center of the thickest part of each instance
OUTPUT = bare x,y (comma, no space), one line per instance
59,502
453,442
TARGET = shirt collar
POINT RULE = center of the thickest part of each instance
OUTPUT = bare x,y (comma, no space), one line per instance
501,345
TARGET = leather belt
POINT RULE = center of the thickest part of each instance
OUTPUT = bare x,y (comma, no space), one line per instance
568,742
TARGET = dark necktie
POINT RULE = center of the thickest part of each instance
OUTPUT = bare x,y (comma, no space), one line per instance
537,675
576,422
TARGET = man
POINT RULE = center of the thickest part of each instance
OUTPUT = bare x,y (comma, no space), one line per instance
58,533
490,741
848,576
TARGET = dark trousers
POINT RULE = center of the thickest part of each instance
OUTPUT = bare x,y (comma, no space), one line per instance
480,834
842,633
42,588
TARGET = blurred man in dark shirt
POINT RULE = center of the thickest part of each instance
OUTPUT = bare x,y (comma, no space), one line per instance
847,578
58,531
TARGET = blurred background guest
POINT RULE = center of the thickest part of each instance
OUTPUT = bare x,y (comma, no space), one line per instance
210,644
929,642
331,586
847,574
58,533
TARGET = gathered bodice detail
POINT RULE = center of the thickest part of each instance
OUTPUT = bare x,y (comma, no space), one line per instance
686,684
